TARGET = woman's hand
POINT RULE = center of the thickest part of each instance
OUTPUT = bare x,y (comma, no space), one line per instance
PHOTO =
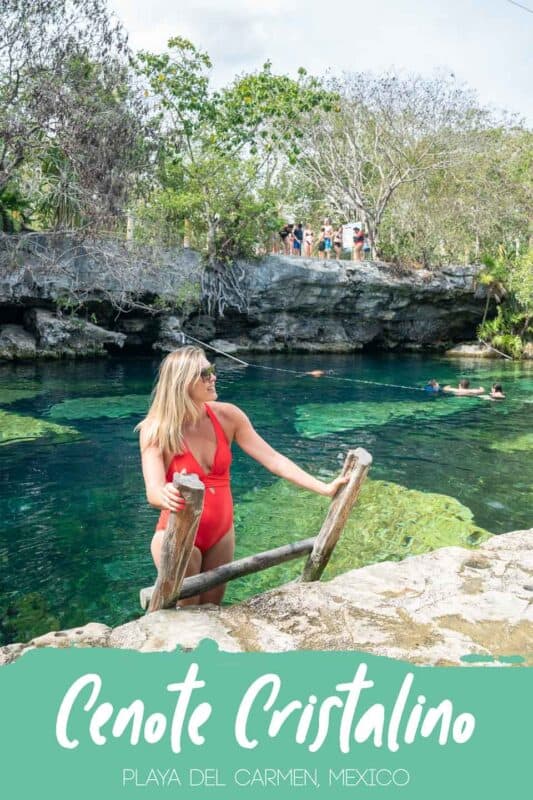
171,498
332,488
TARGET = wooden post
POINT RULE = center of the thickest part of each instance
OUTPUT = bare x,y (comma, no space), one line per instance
178,541
356,465
197,584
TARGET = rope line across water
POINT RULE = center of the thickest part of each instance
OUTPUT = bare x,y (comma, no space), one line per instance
327,374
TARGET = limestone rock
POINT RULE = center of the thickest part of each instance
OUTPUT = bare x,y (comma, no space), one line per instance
16,343
170,335
429,609
94,634
59,337
305,304
224,346
472,350
290,304
528,351
201,327
166,630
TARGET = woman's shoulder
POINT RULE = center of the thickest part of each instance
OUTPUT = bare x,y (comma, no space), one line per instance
227,411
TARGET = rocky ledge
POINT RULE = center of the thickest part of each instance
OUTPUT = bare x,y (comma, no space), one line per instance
431,609
149,300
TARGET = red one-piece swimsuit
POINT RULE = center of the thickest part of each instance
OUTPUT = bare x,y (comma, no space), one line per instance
217,514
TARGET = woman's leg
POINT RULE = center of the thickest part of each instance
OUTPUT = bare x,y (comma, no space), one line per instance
221,553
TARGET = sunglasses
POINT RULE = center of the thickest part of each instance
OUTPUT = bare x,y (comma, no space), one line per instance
208,372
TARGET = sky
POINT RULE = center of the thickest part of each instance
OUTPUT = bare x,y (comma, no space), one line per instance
487,44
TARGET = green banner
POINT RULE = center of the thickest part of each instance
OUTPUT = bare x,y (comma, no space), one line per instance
205,724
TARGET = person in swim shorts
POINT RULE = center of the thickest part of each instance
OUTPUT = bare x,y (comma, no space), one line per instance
186,429
328,237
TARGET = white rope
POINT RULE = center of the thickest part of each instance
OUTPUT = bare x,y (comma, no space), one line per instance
327,374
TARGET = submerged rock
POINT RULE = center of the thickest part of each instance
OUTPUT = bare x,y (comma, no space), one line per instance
314,420
522,442
97,407
388,522
18,428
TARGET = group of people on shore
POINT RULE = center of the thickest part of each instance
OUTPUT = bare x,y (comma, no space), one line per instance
463,389
297,239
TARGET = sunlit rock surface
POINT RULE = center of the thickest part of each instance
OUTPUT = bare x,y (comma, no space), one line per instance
432,609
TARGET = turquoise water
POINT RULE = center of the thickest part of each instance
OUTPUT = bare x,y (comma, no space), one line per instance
74,524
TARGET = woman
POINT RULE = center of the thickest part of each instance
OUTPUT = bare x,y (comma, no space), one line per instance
187,430
358,243
337,242
309,237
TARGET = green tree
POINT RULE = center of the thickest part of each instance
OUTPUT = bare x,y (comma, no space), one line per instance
510,278
222,150
391,132
458,213
69,121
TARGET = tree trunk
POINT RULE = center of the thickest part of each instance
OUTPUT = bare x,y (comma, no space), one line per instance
212,225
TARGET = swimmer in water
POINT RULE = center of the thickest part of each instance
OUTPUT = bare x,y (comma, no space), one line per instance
464,389
496,393
432,386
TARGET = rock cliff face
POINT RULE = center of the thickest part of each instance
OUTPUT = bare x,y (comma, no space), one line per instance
339,306
291,303
430,609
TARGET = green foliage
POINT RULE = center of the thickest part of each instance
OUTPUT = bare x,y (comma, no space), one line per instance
12,394
14,209
510,279
457,211
70,120
220,149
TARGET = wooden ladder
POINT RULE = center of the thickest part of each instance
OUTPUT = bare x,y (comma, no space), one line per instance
178,541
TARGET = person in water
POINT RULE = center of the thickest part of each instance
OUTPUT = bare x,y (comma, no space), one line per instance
432,386
496,393
464,389
186,429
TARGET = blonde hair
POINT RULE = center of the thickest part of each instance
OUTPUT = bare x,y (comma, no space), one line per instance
171,404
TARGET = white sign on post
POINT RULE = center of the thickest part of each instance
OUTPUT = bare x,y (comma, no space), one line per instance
347,234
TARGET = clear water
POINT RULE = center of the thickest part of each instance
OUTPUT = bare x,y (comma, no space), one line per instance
74,524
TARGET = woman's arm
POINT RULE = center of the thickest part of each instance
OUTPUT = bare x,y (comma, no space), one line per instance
249,440
159,493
